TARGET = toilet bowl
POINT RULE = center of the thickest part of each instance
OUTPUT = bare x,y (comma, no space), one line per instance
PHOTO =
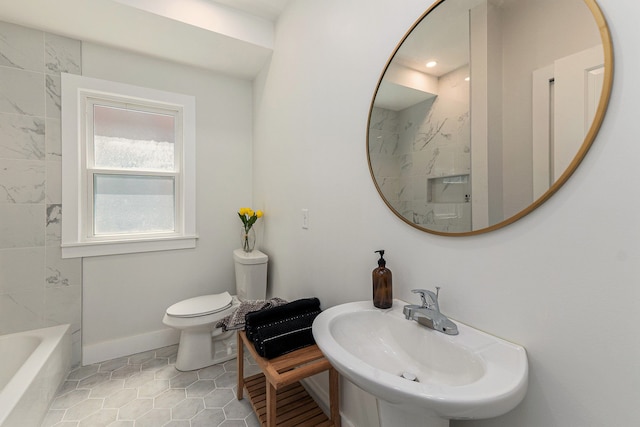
201,343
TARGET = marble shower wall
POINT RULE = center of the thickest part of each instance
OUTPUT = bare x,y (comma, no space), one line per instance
37,287
427,141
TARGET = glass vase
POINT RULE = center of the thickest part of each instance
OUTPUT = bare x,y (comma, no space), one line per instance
248,239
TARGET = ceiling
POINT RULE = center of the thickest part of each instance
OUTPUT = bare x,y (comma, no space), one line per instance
233,37
442,36
268,9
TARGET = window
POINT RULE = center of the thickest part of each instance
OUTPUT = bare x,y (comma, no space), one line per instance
128,168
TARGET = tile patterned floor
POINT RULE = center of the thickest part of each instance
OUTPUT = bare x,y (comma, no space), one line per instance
146,390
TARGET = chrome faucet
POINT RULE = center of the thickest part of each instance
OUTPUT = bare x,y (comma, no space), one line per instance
428,314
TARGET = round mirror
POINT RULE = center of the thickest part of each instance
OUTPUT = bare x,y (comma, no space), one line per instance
486,108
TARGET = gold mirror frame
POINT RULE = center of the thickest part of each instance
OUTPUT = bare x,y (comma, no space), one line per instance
582,151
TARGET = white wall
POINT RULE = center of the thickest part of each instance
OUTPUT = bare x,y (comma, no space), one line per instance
125,296
562,281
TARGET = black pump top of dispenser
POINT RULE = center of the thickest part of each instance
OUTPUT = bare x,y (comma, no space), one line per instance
381,261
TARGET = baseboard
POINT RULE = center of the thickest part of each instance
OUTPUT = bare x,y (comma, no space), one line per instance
107,350
321,396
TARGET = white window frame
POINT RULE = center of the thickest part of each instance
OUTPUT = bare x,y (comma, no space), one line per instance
78,240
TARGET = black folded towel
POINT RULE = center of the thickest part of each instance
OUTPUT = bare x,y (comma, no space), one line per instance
285,336
257,319
279,330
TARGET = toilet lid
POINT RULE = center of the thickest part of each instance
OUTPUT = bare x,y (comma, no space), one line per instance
201,306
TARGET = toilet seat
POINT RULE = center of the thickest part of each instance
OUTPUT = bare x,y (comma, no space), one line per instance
201,306
201,342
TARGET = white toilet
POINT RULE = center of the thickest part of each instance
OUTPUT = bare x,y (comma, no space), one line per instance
201,343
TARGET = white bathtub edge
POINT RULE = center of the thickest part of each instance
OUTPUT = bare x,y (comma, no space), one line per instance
26,398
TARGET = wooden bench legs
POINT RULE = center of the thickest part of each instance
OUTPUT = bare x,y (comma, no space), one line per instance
277,396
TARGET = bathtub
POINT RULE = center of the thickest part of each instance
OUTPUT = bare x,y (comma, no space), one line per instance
33,364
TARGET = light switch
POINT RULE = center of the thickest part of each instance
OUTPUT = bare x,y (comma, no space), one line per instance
305,219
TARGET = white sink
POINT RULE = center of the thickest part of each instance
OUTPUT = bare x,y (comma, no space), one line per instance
465,376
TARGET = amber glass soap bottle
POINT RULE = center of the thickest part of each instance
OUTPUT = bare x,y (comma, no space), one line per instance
382,284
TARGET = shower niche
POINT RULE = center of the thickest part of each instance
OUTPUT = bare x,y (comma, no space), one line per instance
449,189
449,203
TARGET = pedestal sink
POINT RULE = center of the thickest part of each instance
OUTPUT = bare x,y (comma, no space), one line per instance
420,376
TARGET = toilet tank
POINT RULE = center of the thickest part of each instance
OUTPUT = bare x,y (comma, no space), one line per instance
251,274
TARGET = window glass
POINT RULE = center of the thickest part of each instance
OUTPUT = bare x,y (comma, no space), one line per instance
133,204
131,139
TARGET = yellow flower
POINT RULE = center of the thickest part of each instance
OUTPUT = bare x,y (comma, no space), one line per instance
248,217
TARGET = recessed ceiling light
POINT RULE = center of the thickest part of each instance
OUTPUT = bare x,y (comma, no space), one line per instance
431,64
466,79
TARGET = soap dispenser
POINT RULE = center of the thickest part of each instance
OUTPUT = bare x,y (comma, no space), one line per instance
382,293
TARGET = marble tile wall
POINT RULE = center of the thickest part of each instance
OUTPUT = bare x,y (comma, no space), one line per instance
428,140
384,136
37,287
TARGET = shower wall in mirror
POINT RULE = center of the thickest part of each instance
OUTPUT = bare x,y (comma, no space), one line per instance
422,155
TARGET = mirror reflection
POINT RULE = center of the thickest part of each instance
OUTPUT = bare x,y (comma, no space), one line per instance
486,108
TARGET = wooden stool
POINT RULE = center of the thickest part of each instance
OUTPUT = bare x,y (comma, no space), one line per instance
276,394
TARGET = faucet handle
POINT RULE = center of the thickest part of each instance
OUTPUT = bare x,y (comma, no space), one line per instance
423,296
422,293
432,301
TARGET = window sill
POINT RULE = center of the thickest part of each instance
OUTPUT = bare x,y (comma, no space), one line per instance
90,249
